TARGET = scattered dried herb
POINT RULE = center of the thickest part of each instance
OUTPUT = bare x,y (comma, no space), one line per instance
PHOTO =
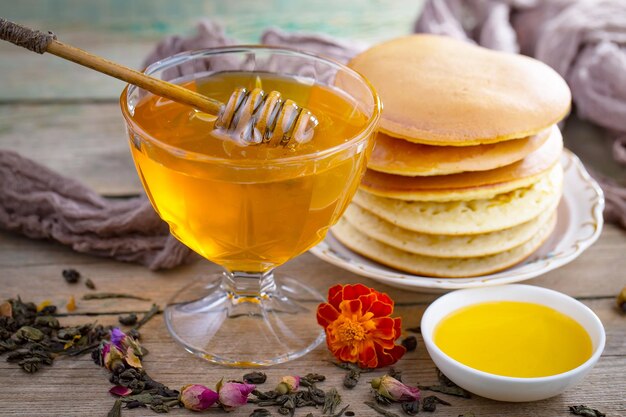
350,413
260,412
444,380
128,320
445,389
116,411
154,310
583,410
351,379
332,399
416,329
410,343
89,284
311,379
108,295
411,408
621,300
341,412
395,373
380,410
32,339
469,414
430,403
71,276
255,378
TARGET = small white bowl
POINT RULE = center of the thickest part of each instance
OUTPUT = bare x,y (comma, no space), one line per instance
503,388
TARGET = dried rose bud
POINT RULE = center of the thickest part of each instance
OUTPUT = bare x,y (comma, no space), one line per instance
197,397
234,394
112,357
395,390
288,384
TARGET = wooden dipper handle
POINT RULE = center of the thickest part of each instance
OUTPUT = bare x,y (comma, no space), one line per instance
41,42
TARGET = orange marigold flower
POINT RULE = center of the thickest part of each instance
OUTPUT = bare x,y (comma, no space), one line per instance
358,326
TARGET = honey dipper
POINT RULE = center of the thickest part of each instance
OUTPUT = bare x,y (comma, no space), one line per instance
251,116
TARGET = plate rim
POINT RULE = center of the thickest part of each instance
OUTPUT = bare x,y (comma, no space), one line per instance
594,207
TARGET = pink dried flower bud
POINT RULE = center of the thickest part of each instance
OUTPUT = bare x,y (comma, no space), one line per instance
288,384
197,397
112,357
395,390
234,394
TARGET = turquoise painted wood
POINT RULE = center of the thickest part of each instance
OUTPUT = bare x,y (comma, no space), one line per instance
125,31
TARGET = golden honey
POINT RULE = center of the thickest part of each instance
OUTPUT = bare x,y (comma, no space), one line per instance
516,339
248,208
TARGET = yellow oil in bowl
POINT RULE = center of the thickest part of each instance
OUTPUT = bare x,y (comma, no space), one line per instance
514,339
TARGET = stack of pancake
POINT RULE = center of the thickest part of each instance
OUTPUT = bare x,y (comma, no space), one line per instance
464,178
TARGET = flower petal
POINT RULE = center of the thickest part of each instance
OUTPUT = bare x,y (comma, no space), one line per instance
335,295
326,314
352,292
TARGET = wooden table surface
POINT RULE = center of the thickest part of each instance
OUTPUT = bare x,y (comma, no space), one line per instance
67,118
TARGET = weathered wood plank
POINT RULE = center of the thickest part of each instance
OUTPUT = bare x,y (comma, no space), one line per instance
168,363
596,273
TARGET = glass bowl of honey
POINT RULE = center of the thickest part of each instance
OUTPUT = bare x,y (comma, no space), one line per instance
513,342
250,207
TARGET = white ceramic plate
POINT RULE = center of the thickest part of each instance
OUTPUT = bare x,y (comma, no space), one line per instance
579,224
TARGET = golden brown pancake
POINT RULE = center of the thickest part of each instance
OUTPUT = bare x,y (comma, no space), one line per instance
468,185
440,91
364,245
401,157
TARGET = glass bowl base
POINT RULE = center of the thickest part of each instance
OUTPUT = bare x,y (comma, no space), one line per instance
245,320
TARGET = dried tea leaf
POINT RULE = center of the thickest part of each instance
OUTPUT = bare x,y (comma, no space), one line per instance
583,410
30,365
444,380
340,413
395,373
380,410
260,412
47,321
29,333
469,414
331,401
410,343
154,310
129,320
430,403
108,295
71,276
116,411
89,284
255,378
454,390
351,379
411,408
